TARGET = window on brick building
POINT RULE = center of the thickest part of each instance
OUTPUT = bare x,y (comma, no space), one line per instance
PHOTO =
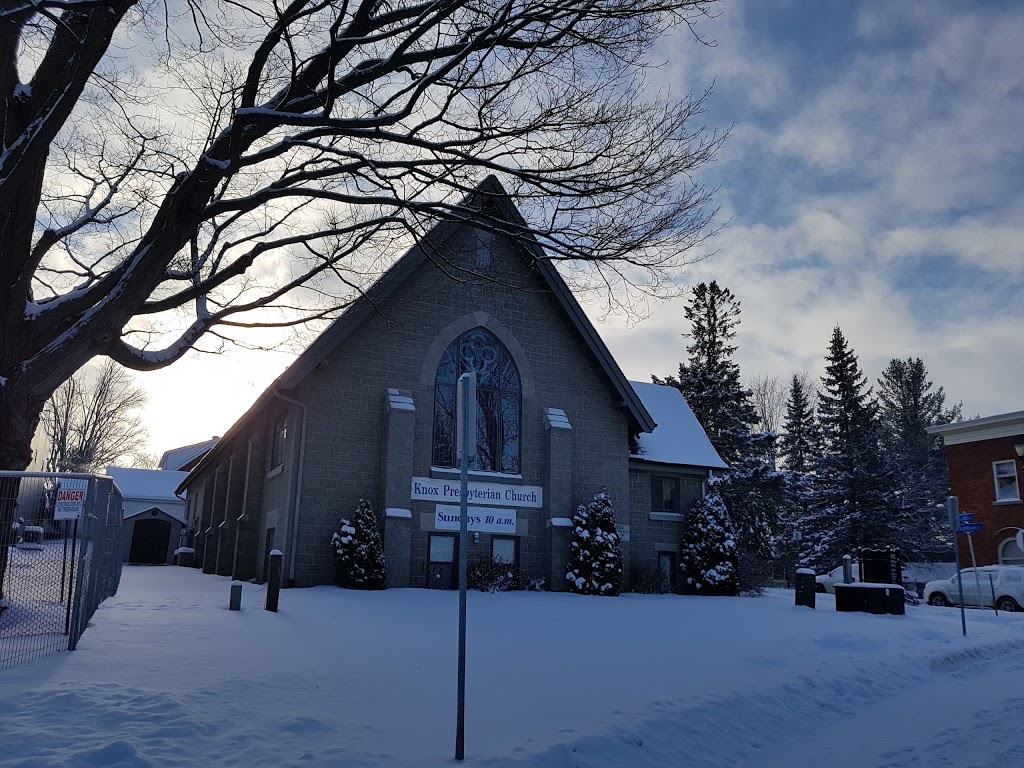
664,494
1007,487
498,400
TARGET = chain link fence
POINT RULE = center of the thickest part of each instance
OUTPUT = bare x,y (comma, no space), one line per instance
60,557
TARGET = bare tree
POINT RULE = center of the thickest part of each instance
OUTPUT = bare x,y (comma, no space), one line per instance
768,395
93,422
174,173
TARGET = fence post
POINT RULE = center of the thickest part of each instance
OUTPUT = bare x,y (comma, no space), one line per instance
77,596
274,582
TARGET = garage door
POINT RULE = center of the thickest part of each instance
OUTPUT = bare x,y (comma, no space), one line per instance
150,541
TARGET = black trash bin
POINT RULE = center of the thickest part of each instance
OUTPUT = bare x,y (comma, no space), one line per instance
875,598
878,599
895,601
805,584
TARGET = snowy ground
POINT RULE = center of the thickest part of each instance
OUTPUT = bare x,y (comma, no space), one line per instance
167,676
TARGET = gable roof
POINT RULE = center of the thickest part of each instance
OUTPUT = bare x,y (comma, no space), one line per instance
187,456
175,513
679,438
147,484
491,191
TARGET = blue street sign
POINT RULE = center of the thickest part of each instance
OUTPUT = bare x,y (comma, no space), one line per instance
966,518
969,527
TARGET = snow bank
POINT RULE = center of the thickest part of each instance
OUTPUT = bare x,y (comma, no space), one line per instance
168,676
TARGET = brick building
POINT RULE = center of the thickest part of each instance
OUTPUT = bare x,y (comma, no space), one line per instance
368,411
986,474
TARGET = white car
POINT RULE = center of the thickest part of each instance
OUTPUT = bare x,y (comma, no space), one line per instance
827,582
1007,584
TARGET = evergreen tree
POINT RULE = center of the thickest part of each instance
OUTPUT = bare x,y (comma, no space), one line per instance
595,560
754,493
710,382
708,556
798,449
798,443
359,552
851,504
710,379
907,405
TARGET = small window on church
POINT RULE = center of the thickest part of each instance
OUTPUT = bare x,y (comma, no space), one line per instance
280,437
498,398
483,249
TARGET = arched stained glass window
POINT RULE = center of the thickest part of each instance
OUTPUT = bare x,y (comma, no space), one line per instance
498,398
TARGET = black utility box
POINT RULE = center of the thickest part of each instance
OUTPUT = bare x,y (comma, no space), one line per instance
881,566
870,598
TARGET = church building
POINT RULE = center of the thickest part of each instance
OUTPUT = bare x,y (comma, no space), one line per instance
368,411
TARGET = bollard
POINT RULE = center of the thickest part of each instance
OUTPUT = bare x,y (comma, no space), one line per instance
274,580
236,596
847,569
805,585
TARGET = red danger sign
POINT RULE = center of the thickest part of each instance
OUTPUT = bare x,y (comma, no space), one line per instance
70,499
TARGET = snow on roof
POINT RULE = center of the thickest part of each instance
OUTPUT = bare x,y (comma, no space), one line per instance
176,458
171,510
148,484
679,438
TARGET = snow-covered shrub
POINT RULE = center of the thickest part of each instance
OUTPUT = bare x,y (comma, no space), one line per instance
595,560
359,552
752,573
489,575
536,585
708,556
644,579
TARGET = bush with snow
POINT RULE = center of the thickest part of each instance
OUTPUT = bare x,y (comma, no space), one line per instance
708,557
358,550
489,575
595,560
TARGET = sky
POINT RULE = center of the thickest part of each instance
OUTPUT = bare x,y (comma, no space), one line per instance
873,179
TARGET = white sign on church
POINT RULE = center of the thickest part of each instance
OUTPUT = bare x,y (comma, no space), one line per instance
449,491
480,519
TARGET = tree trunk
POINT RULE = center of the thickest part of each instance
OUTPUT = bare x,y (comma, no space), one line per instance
18,422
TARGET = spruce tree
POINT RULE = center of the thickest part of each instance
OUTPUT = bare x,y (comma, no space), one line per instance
708,552
359,552
595,560
851,504
754,493
798,449
799,441
907,405
751,489
710,379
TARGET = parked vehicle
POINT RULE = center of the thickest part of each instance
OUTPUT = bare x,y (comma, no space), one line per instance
828,581
915,576
1007,583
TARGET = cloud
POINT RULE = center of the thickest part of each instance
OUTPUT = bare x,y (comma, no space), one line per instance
884,194
992,246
